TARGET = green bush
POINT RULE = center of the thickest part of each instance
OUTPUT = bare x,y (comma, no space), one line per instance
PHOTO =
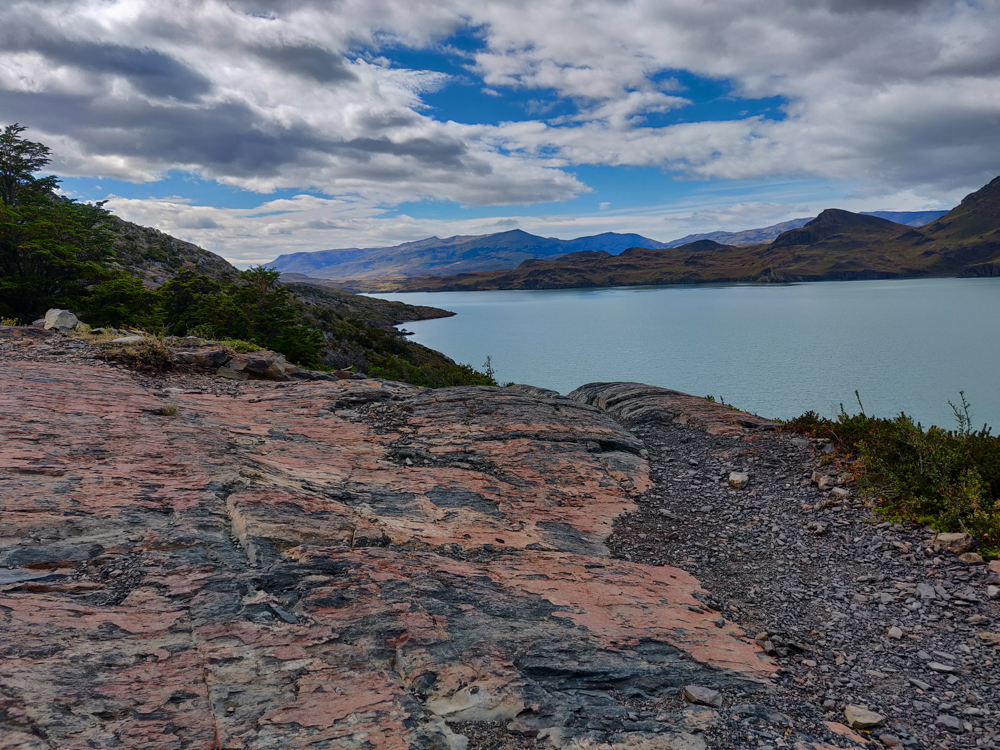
240,347
257,308
394,367
58,253
948,479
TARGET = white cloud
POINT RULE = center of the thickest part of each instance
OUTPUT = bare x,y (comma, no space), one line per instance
896,98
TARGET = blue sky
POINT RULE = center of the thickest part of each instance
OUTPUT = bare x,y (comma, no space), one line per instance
256,128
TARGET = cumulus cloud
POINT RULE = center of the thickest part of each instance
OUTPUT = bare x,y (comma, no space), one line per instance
896,97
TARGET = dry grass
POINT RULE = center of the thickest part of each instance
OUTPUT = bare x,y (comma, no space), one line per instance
148,355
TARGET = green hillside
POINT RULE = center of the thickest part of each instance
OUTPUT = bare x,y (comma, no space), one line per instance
57,253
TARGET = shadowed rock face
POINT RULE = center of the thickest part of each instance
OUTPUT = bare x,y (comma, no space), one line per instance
340,565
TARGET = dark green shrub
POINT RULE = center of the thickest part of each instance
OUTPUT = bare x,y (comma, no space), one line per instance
948,479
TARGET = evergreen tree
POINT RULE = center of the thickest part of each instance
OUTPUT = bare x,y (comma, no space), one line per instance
52,249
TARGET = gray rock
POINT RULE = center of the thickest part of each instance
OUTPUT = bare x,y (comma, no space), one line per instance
60,320
702,696
939,667
993,592
895,633
128,340
951,723
60,553
967,595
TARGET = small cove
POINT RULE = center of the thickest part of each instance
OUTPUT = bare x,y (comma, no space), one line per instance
777,350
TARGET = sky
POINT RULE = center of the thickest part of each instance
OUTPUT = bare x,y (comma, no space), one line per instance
260,127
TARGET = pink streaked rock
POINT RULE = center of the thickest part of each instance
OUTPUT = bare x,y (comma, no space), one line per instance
328,564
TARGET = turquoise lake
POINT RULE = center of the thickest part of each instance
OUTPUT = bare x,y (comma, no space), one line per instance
775,350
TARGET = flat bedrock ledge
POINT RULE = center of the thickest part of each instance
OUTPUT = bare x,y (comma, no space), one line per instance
633,404
354,564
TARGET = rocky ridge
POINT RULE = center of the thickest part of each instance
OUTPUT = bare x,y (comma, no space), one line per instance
190,561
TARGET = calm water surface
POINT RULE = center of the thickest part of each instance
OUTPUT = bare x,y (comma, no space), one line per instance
775,350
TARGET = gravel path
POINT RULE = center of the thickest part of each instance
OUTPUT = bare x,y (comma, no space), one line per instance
821,581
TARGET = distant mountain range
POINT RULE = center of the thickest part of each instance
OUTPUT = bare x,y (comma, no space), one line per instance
450,255
766,234
465,254
836,245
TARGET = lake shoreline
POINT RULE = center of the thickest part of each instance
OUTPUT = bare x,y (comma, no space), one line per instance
776,349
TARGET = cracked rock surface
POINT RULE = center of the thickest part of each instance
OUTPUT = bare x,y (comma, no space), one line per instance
366,564
358,564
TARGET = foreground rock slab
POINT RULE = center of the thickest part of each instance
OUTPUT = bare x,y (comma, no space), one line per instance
353,564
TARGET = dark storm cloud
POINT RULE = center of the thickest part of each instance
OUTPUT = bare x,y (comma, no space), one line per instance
905,7
308,62
223,139
443,153
150,71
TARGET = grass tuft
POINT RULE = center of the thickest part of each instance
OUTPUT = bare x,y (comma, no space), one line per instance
169,410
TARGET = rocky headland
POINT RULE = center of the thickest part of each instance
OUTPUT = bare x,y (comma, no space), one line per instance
190,560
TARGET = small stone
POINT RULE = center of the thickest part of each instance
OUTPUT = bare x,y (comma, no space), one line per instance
127,340
840,492
701,696
889,740
951,723
738,479
958,542
895,633
971,558
993,592
939,667
861,717
967,595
